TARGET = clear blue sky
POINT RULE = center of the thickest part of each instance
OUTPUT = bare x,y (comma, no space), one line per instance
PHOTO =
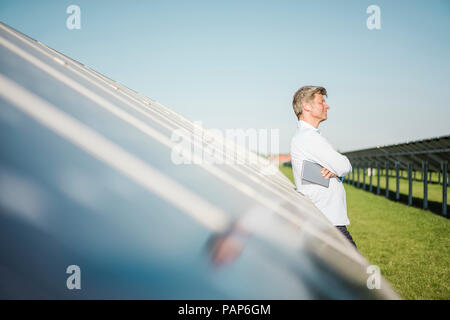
237,64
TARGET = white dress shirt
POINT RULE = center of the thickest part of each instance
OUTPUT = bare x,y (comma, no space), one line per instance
309,144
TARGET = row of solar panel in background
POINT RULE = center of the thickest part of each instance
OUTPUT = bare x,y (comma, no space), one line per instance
426,155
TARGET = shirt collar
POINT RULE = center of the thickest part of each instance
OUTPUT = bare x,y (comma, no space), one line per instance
305,124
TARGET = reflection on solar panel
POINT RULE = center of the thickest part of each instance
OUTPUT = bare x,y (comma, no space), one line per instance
428,155
86,179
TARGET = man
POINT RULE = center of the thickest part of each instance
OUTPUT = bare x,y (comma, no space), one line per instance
308,144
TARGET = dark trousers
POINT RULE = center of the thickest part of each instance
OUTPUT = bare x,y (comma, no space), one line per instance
347,234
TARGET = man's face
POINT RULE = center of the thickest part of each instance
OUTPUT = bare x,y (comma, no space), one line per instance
319,108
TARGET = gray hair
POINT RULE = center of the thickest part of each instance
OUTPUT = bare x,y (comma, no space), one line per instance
306,94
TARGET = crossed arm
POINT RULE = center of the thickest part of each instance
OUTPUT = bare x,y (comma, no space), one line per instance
327,174
334,164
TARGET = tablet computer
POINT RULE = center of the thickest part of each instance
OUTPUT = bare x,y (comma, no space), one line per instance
311,174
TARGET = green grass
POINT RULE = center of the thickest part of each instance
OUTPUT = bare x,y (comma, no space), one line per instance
287,171
410,245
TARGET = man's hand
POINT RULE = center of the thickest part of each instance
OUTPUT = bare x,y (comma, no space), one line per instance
327,174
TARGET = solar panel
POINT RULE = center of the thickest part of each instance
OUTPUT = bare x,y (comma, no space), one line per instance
426,155
434,150
87,180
